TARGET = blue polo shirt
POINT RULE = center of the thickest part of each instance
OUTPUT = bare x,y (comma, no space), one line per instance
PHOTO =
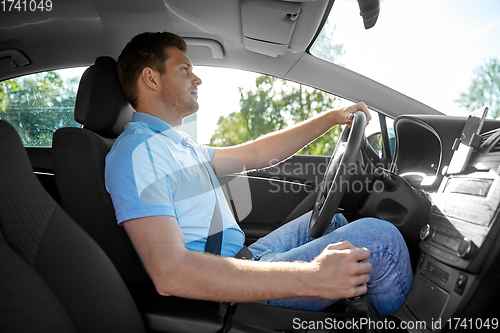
153,169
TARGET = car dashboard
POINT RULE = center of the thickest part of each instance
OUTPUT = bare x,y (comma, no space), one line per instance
457,269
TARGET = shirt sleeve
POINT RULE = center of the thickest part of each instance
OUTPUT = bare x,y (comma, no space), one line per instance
209,152
136,188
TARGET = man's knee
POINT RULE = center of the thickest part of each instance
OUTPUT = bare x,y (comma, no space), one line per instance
381,229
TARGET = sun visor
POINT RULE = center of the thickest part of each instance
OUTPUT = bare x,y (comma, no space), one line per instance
268,25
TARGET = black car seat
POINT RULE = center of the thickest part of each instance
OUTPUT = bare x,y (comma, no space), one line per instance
53,276
79,159
79,156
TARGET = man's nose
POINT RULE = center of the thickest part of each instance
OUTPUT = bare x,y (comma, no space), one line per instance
197,81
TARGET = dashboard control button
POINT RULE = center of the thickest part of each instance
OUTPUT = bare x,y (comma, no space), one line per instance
460,284
466,248
426,232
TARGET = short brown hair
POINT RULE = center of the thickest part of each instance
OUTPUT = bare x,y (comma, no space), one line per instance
147,49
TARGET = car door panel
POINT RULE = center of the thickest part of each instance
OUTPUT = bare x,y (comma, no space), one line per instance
273,193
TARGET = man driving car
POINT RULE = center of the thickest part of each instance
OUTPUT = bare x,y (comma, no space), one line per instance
166,194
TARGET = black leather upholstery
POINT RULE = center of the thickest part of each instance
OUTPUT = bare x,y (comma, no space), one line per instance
100,103
79,159
53,276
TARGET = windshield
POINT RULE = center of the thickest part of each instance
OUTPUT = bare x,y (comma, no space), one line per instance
443,53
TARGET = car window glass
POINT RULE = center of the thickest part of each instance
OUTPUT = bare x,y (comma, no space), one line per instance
392,136
374,124
235,106
374,134
421,48
238,106
38,104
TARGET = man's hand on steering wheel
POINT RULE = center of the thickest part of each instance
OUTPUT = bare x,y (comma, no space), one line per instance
332,188
345,115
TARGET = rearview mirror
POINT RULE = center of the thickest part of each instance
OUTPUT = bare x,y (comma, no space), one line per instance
369,11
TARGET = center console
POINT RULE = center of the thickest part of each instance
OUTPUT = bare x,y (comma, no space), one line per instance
462,215
458,244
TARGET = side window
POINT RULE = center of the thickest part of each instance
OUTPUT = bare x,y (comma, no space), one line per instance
392,135
238,106
38,104
374,135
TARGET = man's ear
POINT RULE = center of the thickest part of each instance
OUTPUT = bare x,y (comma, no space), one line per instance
150,78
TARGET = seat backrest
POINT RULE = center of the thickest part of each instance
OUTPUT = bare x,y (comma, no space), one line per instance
53,276
79,159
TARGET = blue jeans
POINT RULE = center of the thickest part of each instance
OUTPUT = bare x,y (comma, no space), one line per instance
391,275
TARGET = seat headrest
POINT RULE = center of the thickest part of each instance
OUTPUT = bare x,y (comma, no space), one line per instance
101,105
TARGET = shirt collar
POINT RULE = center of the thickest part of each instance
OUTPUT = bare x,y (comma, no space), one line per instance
161,126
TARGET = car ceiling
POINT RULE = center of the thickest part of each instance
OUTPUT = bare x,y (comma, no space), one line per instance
266,36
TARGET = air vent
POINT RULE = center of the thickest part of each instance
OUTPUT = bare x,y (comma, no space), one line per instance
490,141
495,147
485,136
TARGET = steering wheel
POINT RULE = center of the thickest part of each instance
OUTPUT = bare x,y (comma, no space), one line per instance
336,178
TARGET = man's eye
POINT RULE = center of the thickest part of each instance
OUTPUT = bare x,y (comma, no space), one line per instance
185,70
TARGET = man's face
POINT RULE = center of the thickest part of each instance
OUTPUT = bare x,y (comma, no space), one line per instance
179,84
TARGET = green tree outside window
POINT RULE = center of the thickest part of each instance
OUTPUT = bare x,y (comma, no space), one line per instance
484,89
276,103
38,104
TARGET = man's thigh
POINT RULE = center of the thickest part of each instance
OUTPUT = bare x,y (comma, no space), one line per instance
391,276
285,245
291,236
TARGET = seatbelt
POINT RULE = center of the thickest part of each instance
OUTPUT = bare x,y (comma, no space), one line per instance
214,239
244,253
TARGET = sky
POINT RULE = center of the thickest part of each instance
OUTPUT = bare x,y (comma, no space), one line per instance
428,55
218,96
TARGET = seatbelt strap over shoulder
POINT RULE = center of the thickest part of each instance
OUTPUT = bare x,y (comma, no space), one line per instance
214,239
